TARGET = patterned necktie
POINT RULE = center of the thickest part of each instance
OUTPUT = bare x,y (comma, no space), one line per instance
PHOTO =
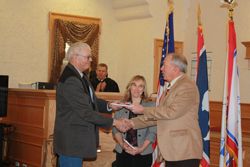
131,136
165,92
89,89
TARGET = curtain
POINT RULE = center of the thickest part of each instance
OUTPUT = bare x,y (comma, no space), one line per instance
71,32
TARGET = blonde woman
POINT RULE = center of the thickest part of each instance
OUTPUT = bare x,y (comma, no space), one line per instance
140,154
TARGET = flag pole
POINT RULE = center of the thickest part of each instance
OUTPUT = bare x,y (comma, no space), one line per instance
225,103
161,82
199,15
240,156
171,6
230,5
170,10
223,120
198,51
202,84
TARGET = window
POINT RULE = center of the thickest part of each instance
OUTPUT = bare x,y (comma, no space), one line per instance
158,43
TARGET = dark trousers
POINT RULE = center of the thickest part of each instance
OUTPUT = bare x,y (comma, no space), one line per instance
126,160
184,163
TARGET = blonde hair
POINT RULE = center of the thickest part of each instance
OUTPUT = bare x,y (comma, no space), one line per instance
127,94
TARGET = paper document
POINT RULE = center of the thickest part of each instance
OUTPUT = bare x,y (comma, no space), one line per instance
128,144
121,104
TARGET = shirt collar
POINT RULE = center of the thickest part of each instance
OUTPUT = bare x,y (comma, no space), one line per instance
81,74
101,80
174,81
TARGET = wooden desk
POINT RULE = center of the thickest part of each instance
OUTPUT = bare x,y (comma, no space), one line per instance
32,113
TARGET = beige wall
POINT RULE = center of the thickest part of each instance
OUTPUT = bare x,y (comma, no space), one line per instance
214,20
25,36
126,46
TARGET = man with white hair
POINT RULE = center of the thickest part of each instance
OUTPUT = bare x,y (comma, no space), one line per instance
77,111
176,117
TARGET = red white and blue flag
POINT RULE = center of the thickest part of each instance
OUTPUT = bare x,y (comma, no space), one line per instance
168,47
231,135
202,84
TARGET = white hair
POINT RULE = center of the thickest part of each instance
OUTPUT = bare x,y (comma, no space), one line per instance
180,61
76,49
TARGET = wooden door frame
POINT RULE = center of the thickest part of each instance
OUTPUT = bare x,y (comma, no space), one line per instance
158,43
66,17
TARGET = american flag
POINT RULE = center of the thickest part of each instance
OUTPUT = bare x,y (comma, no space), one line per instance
202,83
168,47
231,135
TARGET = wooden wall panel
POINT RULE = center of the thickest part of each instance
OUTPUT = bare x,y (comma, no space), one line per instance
29,112
26,153
31,116
214,148
215,123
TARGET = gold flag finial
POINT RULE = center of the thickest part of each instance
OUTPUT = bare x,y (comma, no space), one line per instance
230,5
170,6
170,9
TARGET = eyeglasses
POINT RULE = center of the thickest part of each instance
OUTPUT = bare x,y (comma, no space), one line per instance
89,57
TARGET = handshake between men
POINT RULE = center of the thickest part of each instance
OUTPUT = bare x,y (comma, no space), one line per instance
123,124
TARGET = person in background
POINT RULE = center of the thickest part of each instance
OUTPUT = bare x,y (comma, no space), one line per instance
178,132
141,139
77,111
92,75
102,83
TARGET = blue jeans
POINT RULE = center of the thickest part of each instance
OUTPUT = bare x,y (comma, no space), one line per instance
67,161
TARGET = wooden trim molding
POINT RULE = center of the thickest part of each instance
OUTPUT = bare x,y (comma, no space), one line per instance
215,130
158,44
69,17
215,116
247,45
66,17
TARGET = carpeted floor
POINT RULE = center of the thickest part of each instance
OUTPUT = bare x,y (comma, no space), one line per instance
106,156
